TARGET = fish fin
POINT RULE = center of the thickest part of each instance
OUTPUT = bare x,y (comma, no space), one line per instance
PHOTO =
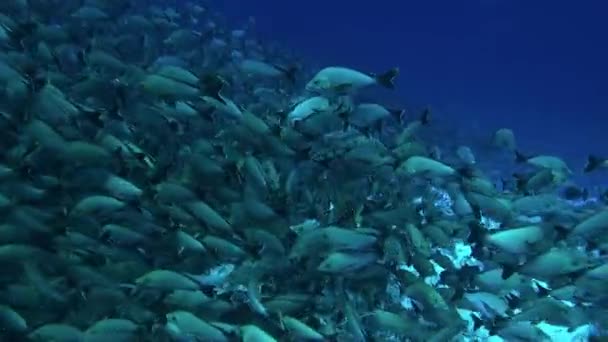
585,194
11,120
477,322
397,114
458,293
281,116
466,171
520,182
150,192
324,164
477,213
174,125
573,276
425,116
212,85
344,116
81,56
468,273
297,126
387,79
57,61
497,323
343,88
504,184
512,299
84,53
218,149
289,72
94,116
593,162
275,130
417,307
369,130
520,157
604,196
561,231
120,100
160,172
478,250
207,114
541,290
23,30
36,80
136,205
507,271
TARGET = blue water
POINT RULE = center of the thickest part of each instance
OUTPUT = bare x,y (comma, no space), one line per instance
538,67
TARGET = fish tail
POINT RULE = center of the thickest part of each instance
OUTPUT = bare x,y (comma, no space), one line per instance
507,271
593,162
585,194
466,172
212,86
477,234
541,291
561,231
387,79
520,182
289,73
397,114
22,31
425,117
83,55
345,117
477,322
520,157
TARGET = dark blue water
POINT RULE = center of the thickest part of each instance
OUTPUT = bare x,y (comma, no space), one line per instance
539,67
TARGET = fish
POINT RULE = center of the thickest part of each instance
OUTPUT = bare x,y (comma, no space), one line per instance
552,163
504,138
261,69
340,262
595,163
183,324
537,182
555,262
367,114
336,79
466,155
168,177
423,165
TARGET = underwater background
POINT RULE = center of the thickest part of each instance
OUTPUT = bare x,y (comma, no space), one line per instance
265,171
538,67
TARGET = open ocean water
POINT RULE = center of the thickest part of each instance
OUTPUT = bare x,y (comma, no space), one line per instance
538,67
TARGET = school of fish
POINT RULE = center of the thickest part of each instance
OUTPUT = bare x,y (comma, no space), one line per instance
166,178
